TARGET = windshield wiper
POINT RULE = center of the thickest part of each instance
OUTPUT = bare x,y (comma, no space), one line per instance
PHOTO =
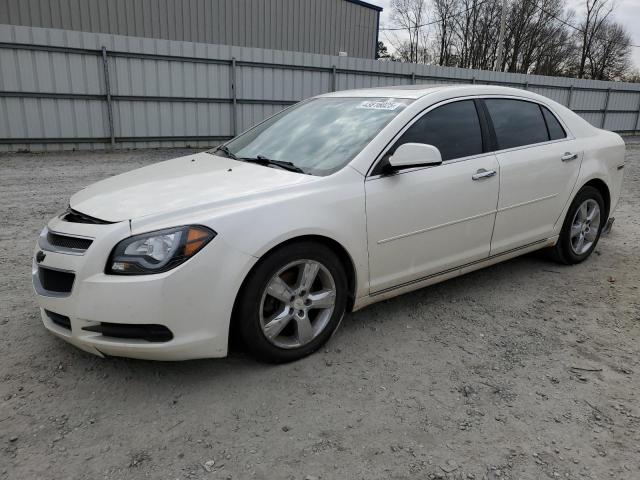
224,149
262,160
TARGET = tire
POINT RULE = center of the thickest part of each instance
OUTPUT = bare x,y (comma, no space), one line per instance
282,317
569,250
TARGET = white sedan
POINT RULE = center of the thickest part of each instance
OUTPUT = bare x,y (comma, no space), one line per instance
335,203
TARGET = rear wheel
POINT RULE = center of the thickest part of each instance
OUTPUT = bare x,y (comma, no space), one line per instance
582,227
292,302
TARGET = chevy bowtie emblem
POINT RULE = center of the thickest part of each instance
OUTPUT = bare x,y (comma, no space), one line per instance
40,256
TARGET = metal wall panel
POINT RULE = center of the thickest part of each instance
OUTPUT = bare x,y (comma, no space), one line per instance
53,88
250,115
588,99
593,118
316,26
556,94
623,101
171,119
620,121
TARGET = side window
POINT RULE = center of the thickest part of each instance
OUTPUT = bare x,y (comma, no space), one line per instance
516,122
453,128
556,132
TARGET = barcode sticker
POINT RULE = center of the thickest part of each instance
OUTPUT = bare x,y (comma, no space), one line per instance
379,105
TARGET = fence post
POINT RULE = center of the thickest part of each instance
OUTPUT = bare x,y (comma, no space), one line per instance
635,125
234,99
606,107
107,87
413,78
333,78
526,85
473,80
570,97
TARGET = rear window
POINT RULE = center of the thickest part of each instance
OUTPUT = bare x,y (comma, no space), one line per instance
517,122
556,132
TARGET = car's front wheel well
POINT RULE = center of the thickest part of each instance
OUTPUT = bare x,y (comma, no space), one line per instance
599,185
336,247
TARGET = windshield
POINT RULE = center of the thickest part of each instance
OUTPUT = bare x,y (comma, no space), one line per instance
319,136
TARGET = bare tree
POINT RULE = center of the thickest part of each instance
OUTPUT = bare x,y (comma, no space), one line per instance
445,11
554,58
608,57
476,33
595,17
410,16
633,76
542,37
404,51
523,28
537,39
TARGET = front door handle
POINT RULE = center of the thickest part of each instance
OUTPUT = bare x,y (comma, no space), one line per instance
568,156
482,173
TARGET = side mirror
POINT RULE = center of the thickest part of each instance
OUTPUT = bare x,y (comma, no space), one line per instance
410,155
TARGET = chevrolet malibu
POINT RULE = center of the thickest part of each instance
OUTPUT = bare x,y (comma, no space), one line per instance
335,203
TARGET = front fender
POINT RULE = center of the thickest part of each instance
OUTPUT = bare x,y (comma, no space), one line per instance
332,207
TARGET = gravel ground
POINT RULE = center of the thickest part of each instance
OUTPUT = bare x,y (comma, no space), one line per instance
524,370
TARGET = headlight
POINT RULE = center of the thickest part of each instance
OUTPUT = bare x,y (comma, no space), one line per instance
158,251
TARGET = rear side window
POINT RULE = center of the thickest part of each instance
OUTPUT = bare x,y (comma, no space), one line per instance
516,122
453,128
556,132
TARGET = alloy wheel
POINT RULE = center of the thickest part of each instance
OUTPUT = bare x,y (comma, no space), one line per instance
297,303
585,226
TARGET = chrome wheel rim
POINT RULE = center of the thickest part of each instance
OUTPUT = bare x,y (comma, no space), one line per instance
297,304
585,226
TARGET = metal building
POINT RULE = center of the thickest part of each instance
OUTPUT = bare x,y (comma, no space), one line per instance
314,26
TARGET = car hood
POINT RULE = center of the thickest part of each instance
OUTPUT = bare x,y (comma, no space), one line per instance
186,182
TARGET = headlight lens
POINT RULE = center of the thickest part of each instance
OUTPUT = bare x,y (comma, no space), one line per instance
158,251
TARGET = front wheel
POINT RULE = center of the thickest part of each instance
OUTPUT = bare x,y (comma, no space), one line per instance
582,227
292,302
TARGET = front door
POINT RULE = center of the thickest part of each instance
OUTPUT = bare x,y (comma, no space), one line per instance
427,220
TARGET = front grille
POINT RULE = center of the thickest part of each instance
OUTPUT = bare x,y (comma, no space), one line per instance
148,332
55,280
74,216
63,241
60,320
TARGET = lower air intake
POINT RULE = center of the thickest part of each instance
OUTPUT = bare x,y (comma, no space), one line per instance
55,280
150,332
60,320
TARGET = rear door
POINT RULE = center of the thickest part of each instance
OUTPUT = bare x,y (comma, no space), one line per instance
539,165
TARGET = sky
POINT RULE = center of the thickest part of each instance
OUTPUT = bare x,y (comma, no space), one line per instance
627,12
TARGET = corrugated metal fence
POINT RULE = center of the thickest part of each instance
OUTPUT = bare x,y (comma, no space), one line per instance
63,89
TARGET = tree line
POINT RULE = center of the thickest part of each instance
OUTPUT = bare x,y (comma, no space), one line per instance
540,37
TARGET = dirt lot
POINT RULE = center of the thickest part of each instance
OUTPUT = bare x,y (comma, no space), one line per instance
524,370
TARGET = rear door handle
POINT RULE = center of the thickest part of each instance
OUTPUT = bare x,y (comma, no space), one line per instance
568,156
482,173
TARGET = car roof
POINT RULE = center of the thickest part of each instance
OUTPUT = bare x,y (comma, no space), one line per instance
417,91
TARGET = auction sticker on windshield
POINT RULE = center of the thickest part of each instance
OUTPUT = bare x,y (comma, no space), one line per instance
385,105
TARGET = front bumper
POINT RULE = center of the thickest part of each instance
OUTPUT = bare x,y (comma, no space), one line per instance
194,301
